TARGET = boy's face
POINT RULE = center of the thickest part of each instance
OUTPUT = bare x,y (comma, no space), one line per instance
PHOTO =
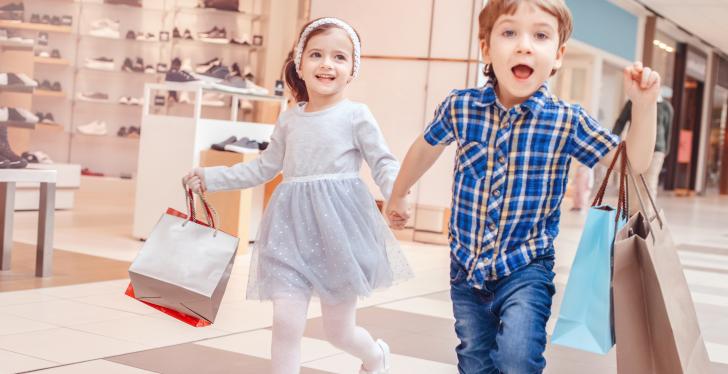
523,50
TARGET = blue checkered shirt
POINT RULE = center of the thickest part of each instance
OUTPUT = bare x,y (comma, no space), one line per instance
511,172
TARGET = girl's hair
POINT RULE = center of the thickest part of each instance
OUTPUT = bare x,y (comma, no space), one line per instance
290,75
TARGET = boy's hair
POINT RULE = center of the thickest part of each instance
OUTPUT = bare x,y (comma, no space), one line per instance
294,82
496,8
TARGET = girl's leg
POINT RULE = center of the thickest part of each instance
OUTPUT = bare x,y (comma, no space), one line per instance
289,322
341,330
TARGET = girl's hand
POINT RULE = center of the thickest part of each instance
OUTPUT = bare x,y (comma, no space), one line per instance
195,180
397,213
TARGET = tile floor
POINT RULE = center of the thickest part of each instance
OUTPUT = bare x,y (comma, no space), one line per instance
91,327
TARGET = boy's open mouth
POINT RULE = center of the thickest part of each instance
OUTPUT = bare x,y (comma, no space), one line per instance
522,71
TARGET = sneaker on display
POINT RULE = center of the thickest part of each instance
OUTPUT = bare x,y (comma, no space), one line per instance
95,96
43,54
149,69
43,38
56,87
215,74
66,20
244,145
180,76
205,66
188,35
17,115
18,80
244,39
128,65
130,35
162,68
55,54
176,34
105,28
94,128
11,160
215,35
100,63
221,146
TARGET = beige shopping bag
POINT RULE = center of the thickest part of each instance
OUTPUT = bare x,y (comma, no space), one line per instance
656,327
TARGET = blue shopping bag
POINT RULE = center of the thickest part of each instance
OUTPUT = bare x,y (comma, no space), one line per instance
585,318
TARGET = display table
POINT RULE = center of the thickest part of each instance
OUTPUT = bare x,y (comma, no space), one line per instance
47,180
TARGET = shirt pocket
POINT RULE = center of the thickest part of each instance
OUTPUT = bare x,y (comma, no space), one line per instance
473,159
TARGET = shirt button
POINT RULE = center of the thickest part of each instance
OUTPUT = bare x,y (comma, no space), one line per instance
496,193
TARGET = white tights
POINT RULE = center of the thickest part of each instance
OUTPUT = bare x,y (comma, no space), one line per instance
289,322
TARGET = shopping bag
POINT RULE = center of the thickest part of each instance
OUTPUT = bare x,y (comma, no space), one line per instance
184,266
656,326
585,316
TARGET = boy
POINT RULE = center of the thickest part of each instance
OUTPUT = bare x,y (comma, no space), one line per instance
515,141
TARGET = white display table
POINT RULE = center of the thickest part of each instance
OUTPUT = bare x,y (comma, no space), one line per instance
170,146
47,180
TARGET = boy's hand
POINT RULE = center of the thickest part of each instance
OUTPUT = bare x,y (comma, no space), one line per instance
195,180
396,212
642,84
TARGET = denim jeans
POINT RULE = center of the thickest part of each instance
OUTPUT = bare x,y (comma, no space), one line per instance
502,327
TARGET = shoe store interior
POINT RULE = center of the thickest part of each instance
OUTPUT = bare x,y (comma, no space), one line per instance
106,104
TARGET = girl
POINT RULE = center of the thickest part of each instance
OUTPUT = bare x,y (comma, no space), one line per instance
322,234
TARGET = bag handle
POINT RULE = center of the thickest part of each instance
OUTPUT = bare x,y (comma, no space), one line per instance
623,198
657,215
211,216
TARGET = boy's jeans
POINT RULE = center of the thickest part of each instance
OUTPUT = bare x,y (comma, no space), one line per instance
502,328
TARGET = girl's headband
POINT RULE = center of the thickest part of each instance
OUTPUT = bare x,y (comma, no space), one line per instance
343,25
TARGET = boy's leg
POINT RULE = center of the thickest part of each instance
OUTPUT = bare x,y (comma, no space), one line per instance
341,331
523,302
475,324
289,322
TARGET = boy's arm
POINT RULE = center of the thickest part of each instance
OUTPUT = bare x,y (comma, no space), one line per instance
420,157
643,86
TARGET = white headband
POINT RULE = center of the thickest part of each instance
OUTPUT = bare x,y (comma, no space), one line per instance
345,26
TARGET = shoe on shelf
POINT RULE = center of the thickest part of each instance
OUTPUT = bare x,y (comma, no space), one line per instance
131,35
176,34
105,28
43,54
221,145
214,35
138,65
17,80
35,18
95,96
45,85
127,66
66,20
100,63
94,128
29,158
122,132
162,68
56,21
164,36
179,76
42,38
215,74
13,7
55,54
149,69
56,87
9,160
134,132
205,66
17,115
244,39
188,35
244,145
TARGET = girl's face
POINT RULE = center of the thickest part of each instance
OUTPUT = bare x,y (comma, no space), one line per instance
327,63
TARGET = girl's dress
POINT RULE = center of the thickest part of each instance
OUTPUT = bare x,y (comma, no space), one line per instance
322,234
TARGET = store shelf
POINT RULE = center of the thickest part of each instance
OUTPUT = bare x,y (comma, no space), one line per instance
107,139
119,72
213,11
8,44
35,27
51,61
121,6
18,89
48,93
122,39
22,125
198,42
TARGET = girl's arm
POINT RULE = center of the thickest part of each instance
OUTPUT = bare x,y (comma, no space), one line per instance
368,138
249,174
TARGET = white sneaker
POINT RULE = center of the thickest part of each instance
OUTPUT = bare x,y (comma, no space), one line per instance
105,28
386,358
100,63
94,128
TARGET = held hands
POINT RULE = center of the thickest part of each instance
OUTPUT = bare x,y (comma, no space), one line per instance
195,180
642,84
397,212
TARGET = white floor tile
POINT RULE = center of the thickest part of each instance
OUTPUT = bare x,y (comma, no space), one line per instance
257,343
11,324
717,352
95,367
344,363
150,331
87,289
64,312
116,301
24,297
424,306
66,346
11,362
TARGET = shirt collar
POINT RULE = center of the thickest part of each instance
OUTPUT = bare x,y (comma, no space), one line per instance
534,103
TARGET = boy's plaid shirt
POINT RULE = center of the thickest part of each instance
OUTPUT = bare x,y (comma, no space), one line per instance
511,173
